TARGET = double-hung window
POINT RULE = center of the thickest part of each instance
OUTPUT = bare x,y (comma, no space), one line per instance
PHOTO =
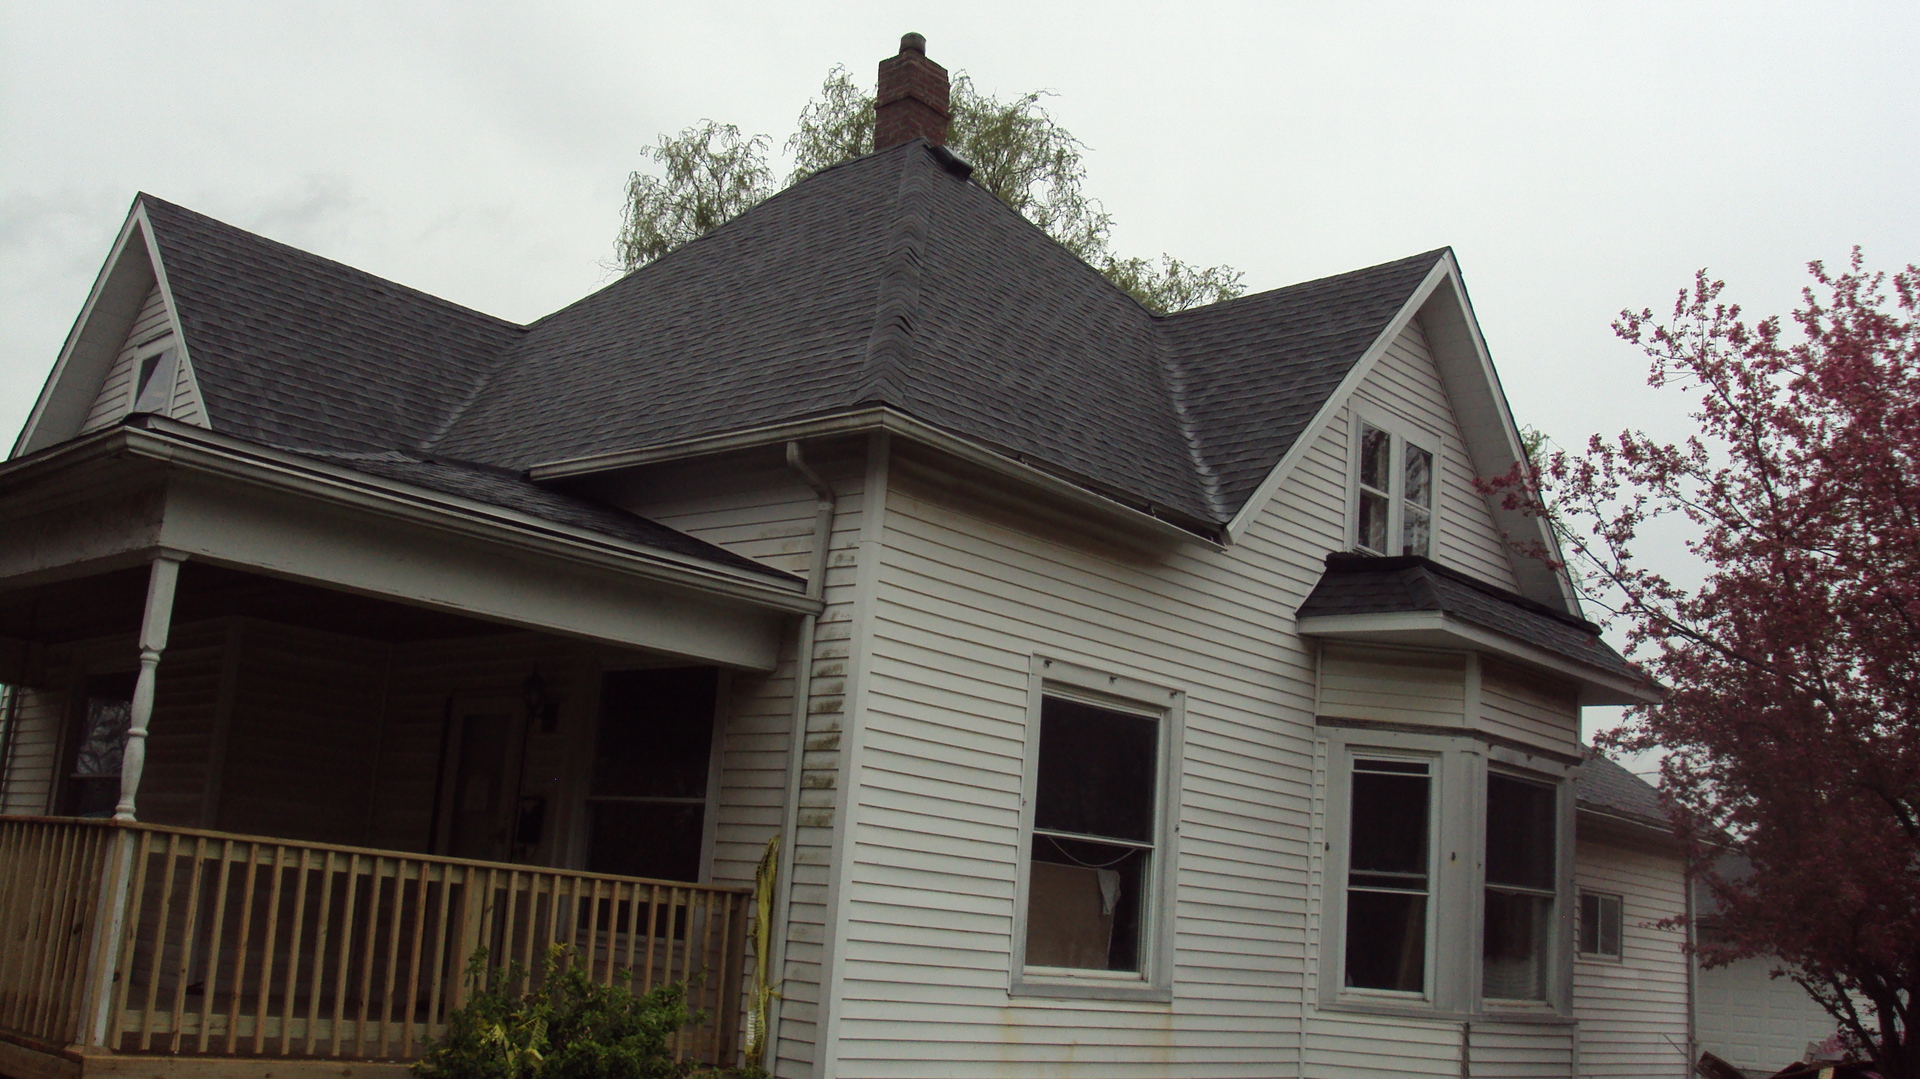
1098,856
1393,512
1516,942
1389,878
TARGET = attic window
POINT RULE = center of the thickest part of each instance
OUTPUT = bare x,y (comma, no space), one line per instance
1393,512
154,389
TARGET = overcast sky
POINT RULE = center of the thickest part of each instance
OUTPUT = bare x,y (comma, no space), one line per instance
1579,158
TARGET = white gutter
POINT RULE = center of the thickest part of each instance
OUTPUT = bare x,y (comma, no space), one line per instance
1142,515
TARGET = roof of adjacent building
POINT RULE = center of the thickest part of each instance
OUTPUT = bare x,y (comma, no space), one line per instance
1605,787
1369,584
892,280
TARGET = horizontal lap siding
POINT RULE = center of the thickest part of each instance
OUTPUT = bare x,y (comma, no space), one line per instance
305,722
1529,708
965,598
151,328
1407,384
1633,1012
186,703
755,506
34,751
1393,686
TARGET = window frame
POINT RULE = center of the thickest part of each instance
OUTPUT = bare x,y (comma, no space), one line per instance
1580,952
1461,763
1401,434
1049,677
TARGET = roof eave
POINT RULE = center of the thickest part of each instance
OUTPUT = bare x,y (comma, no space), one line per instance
1157,521
1437,629
184,446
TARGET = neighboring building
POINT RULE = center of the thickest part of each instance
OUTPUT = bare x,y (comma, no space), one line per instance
1135,695
1743,1014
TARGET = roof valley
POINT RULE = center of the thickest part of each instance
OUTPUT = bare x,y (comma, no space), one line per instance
1174,373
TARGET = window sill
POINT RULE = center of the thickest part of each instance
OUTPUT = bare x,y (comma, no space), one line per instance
1544,1015
1091,987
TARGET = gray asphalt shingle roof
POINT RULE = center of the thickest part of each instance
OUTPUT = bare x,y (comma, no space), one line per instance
1606,787
889,280
1369,584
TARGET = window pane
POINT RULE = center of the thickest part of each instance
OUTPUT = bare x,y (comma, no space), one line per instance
1096,771
1376,448
1084,904
109,715
1419,489
1389,827
646,839
1589,924
1520,833
1416,536
1386,941
1599,924
656,732
1387,875
1514,946
1373,522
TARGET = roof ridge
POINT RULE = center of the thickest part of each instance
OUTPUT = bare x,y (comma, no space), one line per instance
889,348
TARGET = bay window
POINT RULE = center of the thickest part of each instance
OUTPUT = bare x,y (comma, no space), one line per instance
1446,873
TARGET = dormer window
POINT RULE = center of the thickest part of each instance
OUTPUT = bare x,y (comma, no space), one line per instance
153,389
1394,494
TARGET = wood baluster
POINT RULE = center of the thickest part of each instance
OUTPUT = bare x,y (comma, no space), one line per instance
592,946
188,931
240,950
129,934
57,888
439,951
394,922
346,949
413,961
366,959
292,984
212,988
653,921
511,917
323,922
159,944
264,1000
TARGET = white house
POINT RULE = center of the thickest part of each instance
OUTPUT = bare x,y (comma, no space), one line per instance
1131,695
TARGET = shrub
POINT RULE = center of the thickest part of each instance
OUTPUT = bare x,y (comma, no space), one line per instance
567,1026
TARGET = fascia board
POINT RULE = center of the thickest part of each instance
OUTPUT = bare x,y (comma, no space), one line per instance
898,425
29,440
185,360
1437,629
1269,486
1486,423
184,446
1595,824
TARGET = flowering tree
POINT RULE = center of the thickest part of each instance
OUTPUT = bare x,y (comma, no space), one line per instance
1791,717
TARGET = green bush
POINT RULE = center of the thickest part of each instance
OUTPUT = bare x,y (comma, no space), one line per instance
566,1027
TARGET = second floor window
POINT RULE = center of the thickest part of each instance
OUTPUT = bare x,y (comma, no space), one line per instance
1394,511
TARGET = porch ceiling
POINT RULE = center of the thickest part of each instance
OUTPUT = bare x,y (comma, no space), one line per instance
110,603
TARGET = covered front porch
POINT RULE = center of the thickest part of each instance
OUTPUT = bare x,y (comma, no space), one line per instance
272,773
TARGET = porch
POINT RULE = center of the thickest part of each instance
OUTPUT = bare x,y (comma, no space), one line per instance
343,743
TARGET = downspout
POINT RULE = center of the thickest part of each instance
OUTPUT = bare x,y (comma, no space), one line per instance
797,736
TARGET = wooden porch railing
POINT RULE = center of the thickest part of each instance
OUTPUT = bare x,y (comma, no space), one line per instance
145,938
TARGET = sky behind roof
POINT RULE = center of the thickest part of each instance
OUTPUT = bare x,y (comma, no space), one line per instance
1579,158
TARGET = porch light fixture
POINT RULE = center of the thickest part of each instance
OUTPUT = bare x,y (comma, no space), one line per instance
541,707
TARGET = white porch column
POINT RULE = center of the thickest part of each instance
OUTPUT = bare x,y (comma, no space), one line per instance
154,624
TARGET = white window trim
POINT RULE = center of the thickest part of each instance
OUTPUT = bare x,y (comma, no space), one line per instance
164,384
1583,956
1154,982
1457,885
1402,432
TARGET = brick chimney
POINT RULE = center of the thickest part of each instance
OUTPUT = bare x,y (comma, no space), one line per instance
912,102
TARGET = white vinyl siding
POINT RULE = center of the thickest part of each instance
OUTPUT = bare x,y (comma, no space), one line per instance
1528,707
34,751
152,332
1393,685
1407,385
1633,1010
754,505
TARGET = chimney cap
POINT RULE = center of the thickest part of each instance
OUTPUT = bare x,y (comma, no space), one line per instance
911,42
